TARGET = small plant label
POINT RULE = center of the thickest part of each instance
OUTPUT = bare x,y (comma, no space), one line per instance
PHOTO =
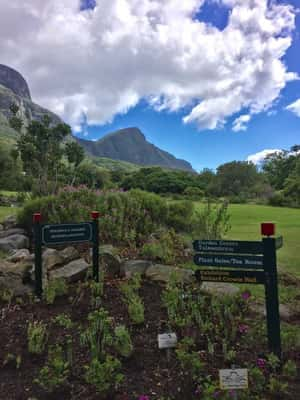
167,340
233,378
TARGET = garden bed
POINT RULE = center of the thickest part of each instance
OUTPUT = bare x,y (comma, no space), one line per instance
148,371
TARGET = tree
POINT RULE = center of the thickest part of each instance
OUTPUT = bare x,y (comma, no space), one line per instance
236,178
75,155
41,151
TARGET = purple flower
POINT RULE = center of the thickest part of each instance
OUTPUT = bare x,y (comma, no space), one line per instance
246,295
217,394
243,328
261,363
144,397
231,393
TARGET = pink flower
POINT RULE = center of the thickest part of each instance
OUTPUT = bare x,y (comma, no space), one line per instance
246,295
261,363
243,328
144,397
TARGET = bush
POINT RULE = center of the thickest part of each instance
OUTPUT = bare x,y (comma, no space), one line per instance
180,215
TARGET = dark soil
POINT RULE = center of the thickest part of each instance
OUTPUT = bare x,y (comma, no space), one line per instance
149,371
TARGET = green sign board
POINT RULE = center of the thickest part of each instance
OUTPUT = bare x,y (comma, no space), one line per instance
66,233
247,277
220,260
228,246
244,262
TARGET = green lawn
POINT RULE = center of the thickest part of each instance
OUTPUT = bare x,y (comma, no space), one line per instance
5,211
245,225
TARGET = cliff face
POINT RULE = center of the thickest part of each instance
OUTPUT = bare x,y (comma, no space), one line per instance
130,145
14,81
14,89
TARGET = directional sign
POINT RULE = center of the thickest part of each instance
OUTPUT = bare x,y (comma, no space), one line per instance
244,262
230,276
228,246
61,233
279,242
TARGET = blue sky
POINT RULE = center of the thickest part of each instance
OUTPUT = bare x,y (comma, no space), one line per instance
210,81
277,129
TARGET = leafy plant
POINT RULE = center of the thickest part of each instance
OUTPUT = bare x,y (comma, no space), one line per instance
37,337
104,375
96,292
15,360
122,341
98,335
131,298
56,370
290,369
63,320
55,287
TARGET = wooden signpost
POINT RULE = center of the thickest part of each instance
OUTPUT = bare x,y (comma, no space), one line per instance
254,264
52,234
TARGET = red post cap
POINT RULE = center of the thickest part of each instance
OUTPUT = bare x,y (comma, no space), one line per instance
268,229
95,214
37,217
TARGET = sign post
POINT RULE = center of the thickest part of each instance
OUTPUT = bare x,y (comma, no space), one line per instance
254,264
95,217
51,234
38,254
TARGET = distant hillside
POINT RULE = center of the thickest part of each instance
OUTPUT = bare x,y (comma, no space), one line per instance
130,145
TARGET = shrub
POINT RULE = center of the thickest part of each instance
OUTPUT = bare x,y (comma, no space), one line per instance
166,247
180,215
123,343
55,287
37,337
56,370
104,375
131,298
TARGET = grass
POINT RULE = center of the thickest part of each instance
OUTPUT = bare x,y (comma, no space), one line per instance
8,193
5,211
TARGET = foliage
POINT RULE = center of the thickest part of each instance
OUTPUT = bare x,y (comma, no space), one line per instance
55,288
96,292
165,246
63,320
122,341
98,334
290,369
39,146
104,375
37,337
132,299
212,222
56,370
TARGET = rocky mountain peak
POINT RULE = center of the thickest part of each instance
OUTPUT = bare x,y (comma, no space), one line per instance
14,81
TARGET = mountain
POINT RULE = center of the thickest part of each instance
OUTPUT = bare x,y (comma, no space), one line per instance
130,145
14,89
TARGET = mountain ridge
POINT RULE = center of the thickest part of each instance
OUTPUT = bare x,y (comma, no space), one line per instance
130,144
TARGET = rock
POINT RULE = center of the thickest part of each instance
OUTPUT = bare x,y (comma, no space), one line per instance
70,253
1,227
12,231
71,272
131,267
10,222
219,288
18,255
286,313
109,261
14,242
51,258
19,270
14,285
163,273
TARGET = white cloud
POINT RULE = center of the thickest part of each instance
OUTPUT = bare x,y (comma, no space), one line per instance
240,123
259,157
101,62
294,107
